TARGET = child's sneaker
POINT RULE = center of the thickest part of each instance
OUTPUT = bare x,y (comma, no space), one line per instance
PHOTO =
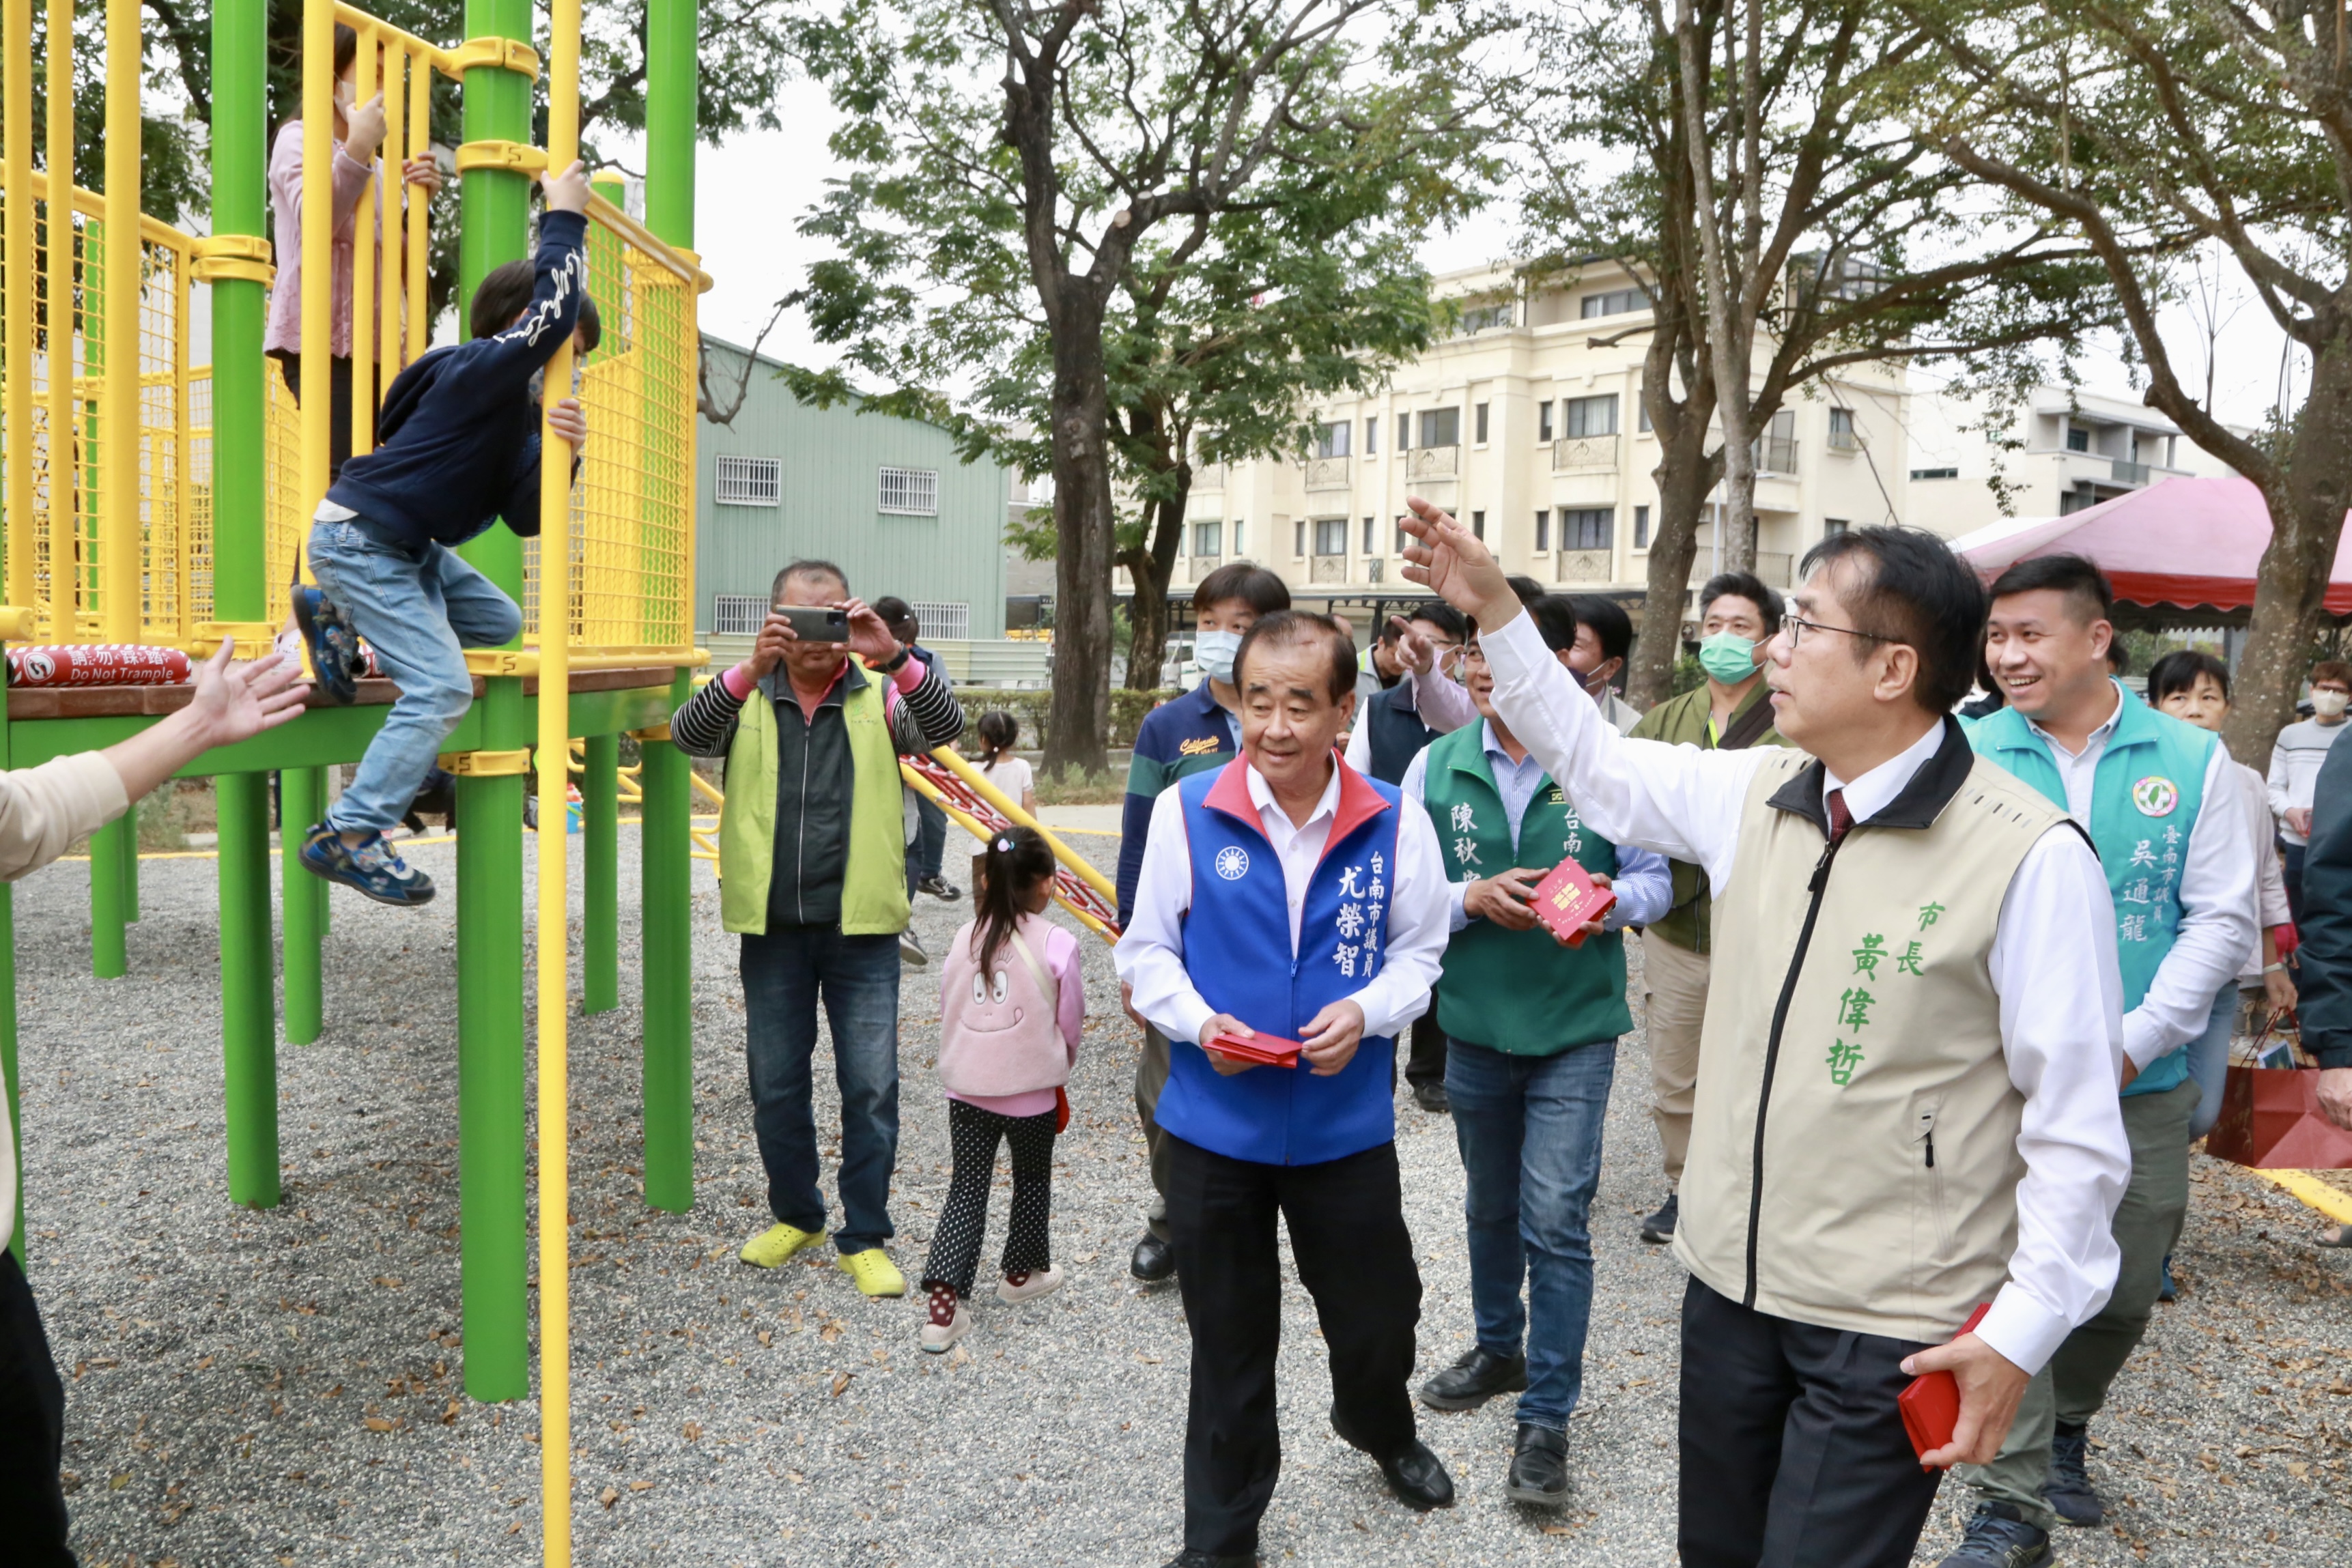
949,1322
334,647
371,867
1027,1286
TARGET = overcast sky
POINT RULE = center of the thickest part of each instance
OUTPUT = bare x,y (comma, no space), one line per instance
751,191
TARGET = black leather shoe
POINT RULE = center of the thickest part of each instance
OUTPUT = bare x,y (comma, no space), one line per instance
1538,1468
1419,1480
1431,1096
1659,1229
1188,1558
1477,1378
1154,1260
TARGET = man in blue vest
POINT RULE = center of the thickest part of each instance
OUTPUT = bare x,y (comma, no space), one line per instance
1532,1026
1198,732
1287,895
2158,800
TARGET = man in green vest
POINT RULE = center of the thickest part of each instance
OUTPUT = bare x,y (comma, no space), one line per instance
2160,803
812,869
1729,712
1532,1026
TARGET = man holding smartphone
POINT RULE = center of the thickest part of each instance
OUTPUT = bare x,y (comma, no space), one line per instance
813,861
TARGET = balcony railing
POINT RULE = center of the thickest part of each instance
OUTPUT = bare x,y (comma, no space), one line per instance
1776,454
1327,569
2130,473
1584,452
1585,565
1209,476
1433,462
1327,473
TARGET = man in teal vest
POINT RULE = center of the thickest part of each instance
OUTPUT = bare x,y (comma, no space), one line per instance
2160,806
812,869
1533,1026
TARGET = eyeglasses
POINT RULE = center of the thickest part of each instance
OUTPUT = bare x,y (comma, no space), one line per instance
1798,626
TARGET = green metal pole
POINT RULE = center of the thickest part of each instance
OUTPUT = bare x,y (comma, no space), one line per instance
600,833
131,863
665,939
110,957
491,1155
240,592
302,800
673,87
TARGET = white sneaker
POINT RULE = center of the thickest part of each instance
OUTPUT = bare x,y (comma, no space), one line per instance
910,950
1029,1290
937,1337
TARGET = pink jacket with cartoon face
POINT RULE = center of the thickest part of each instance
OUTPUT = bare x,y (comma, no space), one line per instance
998,1031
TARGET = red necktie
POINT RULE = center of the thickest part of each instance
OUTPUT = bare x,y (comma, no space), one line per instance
1840,818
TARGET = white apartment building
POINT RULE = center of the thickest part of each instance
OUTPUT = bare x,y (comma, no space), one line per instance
1527,423
2078,448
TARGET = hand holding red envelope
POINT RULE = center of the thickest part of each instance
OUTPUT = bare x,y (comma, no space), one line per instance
1264,1050
1568,900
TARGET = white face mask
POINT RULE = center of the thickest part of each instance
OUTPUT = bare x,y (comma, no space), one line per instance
2329,705
1216,650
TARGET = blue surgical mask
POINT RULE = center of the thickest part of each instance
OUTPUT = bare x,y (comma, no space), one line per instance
1728,656
1215,652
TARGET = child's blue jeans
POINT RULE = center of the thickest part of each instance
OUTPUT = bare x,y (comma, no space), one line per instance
420,608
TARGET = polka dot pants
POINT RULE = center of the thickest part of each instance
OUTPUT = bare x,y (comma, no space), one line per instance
975,1133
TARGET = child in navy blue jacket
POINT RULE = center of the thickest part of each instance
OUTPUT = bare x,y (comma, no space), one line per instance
458,448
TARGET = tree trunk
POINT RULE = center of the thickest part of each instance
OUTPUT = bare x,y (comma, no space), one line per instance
1150,565
1682,479
1085,532
2291,584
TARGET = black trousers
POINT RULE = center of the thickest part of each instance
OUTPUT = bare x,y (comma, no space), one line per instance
1426,1063
1346,1218
1794,1454
32,1429
339,402
974,1133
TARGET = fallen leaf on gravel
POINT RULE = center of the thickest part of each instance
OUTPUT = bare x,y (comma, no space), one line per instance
840,1381
377,1424
1148,1360
449,1417
693,1431
119,1482
830,1333
765,1337
1559,1529
386,1282
608,1497
641,1486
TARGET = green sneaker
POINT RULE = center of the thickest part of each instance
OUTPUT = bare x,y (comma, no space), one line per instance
873,1272
773,1247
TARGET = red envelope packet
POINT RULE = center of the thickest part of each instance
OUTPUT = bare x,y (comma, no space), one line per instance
1567,899
1931,1406
1266,1050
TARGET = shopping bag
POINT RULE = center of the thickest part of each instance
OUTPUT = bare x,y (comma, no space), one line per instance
2271,1120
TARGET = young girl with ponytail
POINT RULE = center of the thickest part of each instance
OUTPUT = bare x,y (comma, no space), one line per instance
1011,1006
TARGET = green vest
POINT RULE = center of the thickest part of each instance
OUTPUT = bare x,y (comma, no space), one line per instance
1518,992
2145,796
873,889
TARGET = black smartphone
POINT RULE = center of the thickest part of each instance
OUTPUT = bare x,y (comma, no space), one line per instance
813,624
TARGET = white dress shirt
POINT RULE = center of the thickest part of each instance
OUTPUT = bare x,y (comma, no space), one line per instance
1150,954
1644,882
2217,897
2270,906
2053,962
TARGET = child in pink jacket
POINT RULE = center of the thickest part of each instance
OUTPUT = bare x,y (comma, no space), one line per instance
1011,1006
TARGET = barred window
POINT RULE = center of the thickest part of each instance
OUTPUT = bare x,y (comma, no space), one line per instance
909,492
737,614
750,482
941,622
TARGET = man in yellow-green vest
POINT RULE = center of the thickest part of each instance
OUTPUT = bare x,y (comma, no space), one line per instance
813,868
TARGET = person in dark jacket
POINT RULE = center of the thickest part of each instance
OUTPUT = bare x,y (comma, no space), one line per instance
458,449
813,876
2326,1005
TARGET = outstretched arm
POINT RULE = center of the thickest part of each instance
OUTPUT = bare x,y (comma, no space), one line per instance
1676,800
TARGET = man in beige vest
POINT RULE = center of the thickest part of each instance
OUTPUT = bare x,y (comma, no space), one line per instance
1907,1075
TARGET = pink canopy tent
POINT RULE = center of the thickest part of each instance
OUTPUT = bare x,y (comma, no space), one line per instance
2185,544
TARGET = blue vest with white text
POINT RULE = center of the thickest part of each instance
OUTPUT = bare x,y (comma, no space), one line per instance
1237,951
2145,796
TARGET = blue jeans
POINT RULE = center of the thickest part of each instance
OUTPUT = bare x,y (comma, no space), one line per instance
786,972
1529,1132
925,855
420,609
2209,1063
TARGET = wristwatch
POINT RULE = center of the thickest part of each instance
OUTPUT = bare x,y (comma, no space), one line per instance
2273,968
893,667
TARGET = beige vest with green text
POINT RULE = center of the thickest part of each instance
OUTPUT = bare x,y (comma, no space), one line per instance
1839,1215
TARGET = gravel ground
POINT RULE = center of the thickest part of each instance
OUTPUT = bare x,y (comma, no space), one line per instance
244,1388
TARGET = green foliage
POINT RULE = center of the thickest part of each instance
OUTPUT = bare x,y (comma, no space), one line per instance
1034,710
1689,675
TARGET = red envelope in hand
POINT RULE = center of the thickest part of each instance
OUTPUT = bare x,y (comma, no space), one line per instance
1931,1406
1567,900
1266,1050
